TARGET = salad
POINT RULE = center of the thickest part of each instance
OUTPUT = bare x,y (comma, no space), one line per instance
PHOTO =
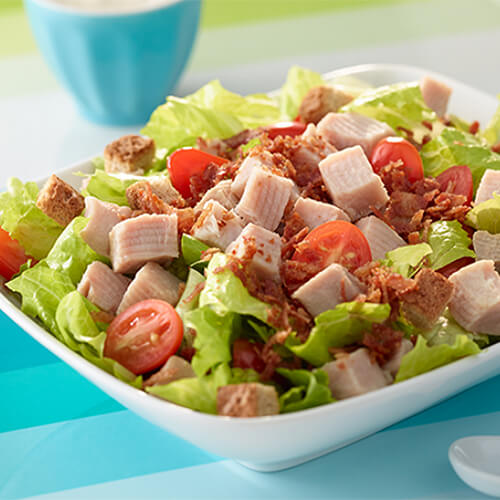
249,256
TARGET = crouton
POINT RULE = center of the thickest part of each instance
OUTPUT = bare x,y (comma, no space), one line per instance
247,400
174,369
322,100
424,304
60,201
129,154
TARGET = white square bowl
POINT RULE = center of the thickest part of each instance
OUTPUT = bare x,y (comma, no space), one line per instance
282,441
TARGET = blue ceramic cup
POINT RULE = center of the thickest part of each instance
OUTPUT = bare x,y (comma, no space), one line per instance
119,65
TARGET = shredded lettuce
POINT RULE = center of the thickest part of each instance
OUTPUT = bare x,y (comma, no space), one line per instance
454,147
42,289
400,105
486,215
424,358
298,82
449,242
225,293
338,327
24,221
491,134
211,112
407,260
70,254
310,389
214,337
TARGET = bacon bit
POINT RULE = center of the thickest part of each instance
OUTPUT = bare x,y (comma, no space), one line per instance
201,182
382,342
102,316
272,359
425,139
207,254
295,273
196,291
141,198
427,124
474,127
187,353
496,147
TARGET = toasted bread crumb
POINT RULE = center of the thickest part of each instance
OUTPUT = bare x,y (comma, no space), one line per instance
129,154
320,101
60,201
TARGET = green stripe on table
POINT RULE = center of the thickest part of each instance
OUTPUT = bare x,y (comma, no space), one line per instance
47,394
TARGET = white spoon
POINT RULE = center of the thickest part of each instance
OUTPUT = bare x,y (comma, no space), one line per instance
476,460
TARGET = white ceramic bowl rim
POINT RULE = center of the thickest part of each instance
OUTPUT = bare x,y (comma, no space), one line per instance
149,6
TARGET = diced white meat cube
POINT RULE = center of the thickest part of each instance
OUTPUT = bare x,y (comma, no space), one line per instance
490,183
163,188
266,260
103,287
344,130
350,181
381,237
174,369
311,149
436,94
221,193
331,286
136,241
264,199
262,160
475,302
216,226
354,374
103,216
151,282
247,400
314,213
393,364
487,247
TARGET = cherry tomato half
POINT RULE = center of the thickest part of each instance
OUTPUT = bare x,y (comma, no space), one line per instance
396,148
455,266
144,336
335,241
457,180
186,162
12,255
285,128
246,355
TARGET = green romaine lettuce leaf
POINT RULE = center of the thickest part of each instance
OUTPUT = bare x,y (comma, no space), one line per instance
192,249
338,327
42,289
197,393
298,82
310,389
80,333
225,293
423,358
398,105
111,188
486,215
70,254
24,221
449,242
491,133
211,112
446,330
214,337
190,300
407,260
453,147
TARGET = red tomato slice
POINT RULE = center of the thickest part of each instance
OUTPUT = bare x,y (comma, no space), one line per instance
12,255
455,266
186,162
335,241
457,180
285,128
144,336
396,148
246,355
